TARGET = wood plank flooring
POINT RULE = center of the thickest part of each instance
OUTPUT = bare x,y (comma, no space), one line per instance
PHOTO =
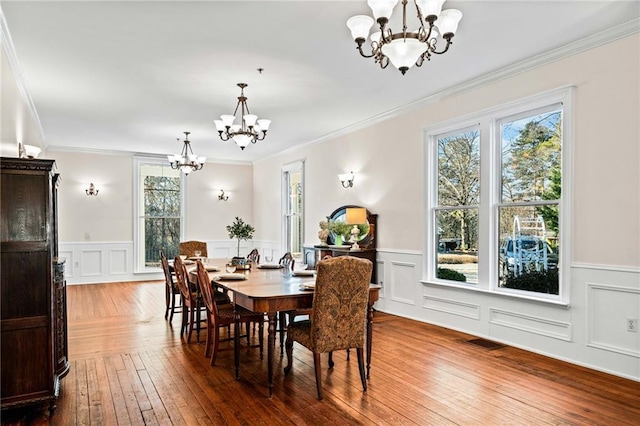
130,367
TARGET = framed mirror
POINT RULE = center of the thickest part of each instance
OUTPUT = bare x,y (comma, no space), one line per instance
340,231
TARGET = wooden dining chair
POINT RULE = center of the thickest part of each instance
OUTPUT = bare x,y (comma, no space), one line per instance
222,315
191,306
254,256
189,248
170,289
338,315
286,261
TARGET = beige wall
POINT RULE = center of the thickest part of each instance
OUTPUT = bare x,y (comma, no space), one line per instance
388,158
109,216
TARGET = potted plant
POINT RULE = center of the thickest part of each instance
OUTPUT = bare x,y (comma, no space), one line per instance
242,231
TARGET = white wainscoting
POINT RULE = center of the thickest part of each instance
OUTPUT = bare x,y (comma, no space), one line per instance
105,262
591,331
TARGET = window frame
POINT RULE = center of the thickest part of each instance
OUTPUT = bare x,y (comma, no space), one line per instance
287,169
488,122
138,245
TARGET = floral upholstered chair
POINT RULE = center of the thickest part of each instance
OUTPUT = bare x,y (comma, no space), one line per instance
338,316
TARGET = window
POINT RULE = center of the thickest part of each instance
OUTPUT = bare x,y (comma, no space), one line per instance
159,212
496,185
456,211
293,207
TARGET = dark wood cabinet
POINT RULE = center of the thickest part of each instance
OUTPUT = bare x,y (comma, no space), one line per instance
33,290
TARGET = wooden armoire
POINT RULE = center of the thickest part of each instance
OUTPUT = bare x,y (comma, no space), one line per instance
33,290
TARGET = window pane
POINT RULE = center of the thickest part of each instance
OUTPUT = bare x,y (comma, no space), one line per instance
457,245
531,158
529,248
459,169
160,221
293,215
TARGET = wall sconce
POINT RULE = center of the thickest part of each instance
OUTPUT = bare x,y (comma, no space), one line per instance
92,190
222,197
346,179
28,151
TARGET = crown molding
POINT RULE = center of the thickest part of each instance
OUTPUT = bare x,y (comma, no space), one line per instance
612,34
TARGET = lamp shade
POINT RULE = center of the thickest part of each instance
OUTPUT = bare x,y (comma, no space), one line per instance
360,26
403,53
382,8
430,7
448,21
356,216
264,124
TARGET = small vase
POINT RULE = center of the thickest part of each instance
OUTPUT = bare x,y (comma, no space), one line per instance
338,240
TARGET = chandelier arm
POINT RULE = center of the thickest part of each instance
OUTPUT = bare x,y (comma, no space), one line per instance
449,43
360,42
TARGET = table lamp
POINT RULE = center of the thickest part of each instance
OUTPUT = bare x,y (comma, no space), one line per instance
355,216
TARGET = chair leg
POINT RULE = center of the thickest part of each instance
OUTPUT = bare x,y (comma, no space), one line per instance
363,378
331,359
183,324
209,343
289,346
192,320
282,320
317,365
173,307
167,295
216,341
261,337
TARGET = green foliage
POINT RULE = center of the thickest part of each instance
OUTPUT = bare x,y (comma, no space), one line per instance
459,185
550,213
539,282
340,228
450,274
240,230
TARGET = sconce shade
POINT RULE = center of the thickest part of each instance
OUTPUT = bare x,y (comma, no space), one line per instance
356,216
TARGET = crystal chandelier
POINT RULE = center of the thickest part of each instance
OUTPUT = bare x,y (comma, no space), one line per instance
251,129
405,48
186,161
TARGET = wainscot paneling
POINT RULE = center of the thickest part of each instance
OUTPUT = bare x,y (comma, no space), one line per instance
607,327
402,282
531,324
452,306
106,261
590,331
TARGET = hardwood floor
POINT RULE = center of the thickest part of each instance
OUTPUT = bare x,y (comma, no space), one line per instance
130,367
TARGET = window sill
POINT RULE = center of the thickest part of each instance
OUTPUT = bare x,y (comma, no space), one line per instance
511,294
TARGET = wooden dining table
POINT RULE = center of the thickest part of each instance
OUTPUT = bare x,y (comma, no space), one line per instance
271,291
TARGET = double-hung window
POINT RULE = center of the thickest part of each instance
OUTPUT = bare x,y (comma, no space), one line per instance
497,199
293,207
159,212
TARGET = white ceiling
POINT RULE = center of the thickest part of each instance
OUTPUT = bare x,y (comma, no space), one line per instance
133,75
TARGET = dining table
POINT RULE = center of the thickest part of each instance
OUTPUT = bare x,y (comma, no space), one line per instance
269,289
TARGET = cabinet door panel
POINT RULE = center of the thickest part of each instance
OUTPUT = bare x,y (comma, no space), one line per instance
26,362
26,285
25,213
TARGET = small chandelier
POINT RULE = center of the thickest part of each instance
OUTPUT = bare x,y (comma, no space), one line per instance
251,129
405,48
186,161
